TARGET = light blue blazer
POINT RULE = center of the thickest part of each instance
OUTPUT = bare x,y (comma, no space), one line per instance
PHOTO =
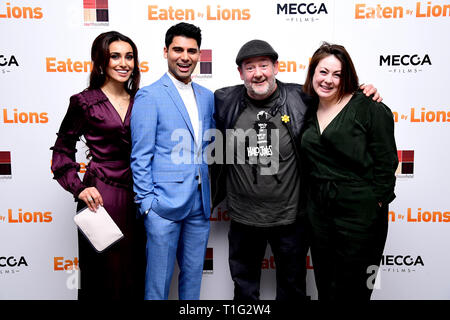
165,168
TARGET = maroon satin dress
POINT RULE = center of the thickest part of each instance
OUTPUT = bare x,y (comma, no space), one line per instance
119,271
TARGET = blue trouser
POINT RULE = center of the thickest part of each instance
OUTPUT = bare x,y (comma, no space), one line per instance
184,240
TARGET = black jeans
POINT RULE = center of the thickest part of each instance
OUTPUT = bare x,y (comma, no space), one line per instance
247,246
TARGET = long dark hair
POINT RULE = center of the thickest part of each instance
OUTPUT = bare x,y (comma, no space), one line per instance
349,79
100,56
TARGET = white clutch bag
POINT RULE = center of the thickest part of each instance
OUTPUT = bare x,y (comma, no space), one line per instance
98,227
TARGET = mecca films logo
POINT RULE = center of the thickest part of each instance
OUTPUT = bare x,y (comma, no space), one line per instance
407,63
203,70
401,263
5,165
8,63
12,264
302,12
96,12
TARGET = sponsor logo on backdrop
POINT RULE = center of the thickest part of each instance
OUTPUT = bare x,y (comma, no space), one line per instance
401,263
11,10
420,215
219,215
12,264
423,115
304,12
14,116
64,264
269,263
8,63
208,265
420,10
68,65
52,64
405,167
309,265
95,12
23,216
211,13
71,268
203,69
405,63
82,169
5,165
292,66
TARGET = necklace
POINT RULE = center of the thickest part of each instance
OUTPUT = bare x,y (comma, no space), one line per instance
120,103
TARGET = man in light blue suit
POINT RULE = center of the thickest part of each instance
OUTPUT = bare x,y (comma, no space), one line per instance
169,121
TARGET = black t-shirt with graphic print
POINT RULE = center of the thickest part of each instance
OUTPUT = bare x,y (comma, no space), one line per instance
263,182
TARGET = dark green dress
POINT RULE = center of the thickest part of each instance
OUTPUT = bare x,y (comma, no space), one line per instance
351,168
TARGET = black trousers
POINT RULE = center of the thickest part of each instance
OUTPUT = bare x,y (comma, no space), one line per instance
247,246
349,231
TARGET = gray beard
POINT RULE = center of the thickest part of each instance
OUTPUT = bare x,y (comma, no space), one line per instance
259,96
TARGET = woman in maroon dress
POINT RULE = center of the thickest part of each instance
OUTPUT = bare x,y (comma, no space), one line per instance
101,113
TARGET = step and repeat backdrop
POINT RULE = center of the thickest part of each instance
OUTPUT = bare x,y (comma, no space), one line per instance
399,46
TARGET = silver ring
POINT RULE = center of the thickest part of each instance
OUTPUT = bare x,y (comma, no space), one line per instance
90,199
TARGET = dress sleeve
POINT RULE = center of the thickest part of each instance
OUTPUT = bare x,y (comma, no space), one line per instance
64,167
383,150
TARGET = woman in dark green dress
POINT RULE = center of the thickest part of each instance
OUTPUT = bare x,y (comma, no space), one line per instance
350,159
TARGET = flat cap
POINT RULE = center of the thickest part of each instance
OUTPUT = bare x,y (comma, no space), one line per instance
256,48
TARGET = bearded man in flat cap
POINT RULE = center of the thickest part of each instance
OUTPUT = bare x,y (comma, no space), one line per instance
262,121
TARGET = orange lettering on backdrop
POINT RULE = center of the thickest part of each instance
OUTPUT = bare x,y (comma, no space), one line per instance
49,63
364,12
359,10
53,65
144,66
28,217
59,264
22,12
24,117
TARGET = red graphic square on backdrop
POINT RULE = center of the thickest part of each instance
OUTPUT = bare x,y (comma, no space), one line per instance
206,55
408,156
89,4
102,4
5,157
